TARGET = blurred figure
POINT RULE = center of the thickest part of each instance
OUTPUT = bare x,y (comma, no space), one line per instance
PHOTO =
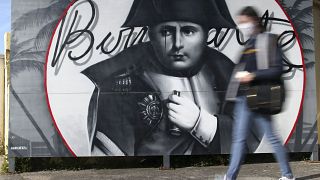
250,25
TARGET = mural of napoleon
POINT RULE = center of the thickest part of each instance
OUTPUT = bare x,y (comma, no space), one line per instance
165,96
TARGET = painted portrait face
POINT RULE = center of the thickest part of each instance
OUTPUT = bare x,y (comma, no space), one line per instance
178,45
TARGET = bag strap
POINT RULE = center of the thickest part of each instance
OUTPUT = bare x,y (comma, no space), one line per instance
266,55
234,84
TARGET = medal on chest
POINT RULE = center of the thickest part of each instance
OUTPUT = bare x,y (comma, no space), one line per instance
150,110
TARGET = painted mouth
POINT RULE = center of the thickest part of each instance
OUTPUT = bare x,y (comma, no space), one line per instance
178,57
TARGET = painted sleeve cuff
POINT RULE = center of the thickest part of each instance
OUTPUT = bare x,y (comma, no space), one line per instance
205,128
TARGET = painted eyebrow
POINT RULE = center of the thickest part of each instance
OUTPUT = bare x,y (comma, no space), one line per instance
189,27
168,27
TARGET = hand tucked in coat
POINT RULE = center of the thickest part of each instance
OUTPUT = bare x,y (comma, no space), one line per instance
183,112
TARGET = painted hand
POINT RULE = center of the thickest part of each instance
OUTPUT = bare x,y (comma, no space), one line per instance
183,112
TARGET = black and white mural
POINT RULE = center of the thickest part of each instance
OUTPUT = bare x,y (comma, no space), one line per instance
147,77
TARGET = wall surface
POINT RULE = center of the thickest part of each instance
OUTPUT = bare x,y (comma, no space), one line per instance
316,13
2,67
82,85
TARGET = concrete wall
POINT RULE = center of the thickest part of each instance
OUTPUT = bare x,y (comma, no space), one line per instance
316,13
5,99
2,67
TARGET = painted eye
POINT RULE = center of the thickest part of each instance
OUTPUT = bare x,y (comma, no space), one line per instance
188,31
166,32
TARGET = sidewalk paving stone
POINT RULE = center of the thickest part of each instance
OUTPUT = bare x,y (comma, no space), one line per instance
266,171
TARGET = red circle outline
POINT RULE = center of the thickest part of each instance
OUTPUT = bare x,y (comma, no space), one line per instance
304,73
65,13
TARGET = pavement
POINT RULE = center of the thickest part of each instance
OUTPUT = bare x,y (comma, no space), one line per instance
303,170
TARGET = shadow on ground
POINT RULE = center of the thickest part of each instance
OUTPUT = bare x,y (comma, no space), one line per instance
314,176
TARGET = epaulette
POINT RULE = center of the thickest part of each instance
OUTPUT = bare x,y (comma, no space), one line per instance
123,80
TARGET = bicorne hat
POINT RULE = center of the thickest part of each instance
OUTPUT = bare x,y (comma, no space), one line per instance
209,13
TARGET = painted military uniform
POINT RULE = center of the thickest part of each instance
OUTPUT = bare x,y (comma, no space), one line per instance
128,112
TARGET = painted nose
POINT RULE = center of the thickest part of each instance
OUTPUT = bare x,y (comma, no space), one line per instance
178,43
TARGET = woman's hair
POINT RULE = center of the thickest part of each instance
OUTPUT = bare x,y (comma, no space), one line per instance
252,13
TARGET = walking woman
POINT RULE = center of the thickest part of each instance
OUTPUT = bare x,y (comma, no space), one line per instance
250,25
